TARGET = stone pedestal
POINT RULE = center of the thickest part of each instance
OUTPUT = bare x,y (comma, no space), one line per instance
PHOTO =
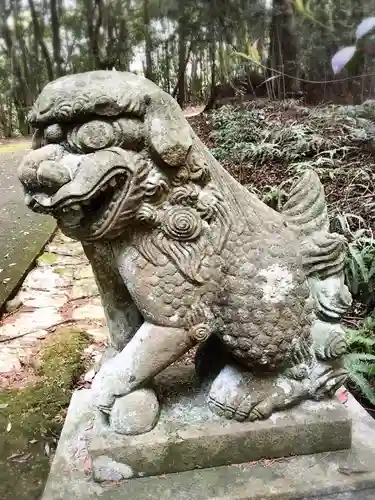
220,459
189,436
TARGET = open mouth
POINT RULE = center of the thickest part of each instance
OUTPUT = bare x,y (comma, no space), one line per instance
94,210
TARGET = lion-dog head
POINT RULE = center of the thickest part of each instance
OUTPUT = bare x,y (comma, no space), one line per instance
113,153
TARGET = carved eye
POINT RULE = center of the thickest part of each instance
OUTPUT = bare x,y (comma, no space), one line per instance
54,134
92,136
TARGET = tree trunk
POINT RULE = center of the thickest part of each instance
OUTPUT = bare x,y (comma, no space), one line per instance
283,48
195,83
181,73
23,61
124,50
167,58
211,101
39,37
182,62
56,44
19,87
149,70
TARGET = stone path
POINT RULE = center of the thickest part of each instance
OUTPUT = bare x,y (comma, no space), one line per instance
59,290
22,233
191,111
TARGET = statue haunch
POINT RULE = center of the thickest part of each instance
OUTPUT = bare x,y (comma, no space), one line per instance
183,254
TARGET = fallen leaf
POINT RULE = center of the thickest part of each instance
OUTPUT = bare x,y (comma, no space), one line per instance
15,455
47,449
9,426
22,459
348,471
33,441
268,463
343,396
4,405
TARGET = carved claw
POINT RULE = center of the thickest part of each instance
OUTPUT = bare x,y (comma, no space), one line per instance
247,408
235,394
328,383
281,398
262,411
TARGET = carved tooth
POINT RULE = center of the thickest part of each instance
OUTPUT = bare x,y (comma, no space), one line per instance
75,207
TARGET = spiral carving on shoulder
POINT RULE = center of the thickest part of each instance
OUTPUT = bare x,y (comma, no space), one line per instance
200,333
182,223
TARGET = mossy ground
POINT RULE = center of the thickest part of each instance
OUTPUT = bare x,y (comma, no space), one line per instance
32,417
14,146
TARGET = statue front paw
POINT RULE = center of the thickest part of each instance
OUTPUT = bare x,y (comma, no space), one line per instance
135,413
128,412
108,384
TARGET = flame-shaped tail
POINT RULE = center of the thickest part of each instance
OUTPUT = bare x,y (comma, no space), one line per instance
306,213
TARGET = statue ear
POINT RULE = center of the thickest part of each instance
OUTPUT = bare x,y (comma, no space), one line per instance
169,132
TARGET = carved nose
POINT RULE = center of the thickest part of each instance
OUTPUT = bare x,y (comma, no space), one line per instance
52,175
32,167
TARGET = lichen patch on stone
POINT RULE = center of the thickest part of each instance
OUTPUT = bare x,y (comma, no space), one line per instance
277,284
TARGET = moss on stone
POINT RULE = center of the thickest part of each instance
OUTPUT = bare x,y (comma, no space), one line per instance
47,258
31,418
63,271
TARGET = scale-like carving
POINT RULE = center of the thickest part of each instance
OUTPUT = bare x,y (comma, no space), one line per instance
183,254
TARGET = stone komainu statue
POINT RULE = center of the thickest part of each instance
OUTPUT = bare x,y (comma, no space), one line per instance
183,254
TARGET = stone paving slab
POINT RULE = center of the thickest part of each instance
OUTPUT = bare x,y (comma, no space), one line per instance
59,290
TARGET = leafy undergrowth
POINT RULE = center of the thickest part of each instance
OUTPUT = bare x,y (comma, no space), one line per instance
31,417
265,145
360,363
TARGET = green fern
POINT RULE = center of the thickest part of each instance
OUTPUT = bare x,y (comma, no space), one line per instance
360,367
358,339
274,197
258,134
360,262
360,362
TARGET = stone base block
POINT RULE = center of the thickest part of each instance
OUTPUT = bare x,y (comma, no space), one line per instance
188,436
